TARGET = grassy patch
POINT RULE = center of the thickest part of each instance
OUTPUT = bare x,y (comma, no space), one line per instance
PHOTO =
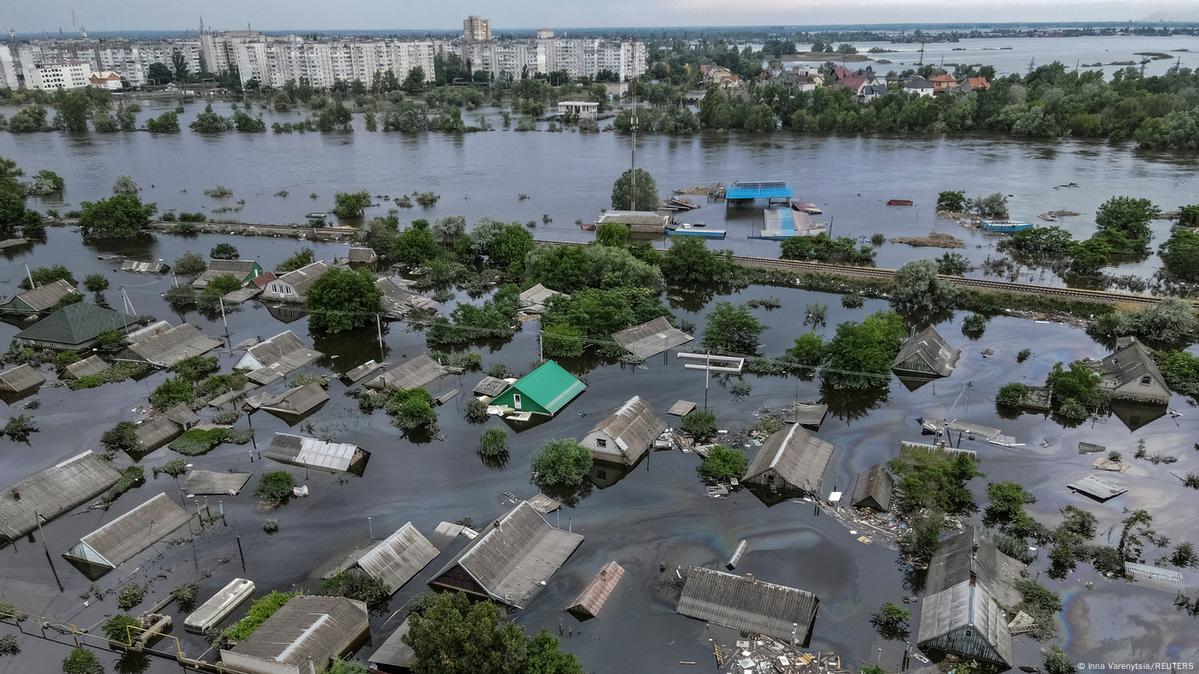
117,372
259,611
130,478
197,441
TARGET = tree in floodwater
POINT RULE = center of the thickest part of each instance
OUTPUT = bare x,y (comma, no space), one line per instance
645,198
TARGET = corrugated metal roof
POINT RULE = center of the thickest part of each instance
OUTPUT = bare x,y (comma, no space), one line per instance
209,482
394,653
595,595
1097,488
873,486
968,555
513,556
40,298
53,491
297,401
399,557
307,629
73,325
84,368
798,457
926,353
747,604
21,378
284,353
758,189
965,620
168,347
550,386
416,372
633,427
534,299
121,539
298,450
650,339
219,605
398,300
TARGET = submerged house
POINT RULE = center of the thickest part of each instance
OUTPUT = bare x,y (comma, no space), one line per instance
595,595
303,637
280,355
398,301
791,460
747,604
123,538
969,583
651,338
416,372
75,327
163,428
394,656
535,299
162,345
20,379
544,391
1130,374
394,560
92,365
294,285
510,561
294,403
38,300
335,457
926,355
53,491
245,271
626,435
638,222
872,489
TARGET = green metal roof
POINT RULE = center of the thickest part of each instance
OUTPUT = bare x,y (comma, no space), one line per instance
73,324
550,386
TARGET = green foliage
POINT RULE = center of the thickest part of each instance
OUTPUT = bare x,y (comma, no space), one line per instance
1040,603
991,206
860,354
690,262
342,300
19,428
923,536
722,464
493,443
209,122
131,477
495,318
190,264
822,248
952,201
121,216
246,123
411,409
569,269
974,325
612,234
699,424
81,660
46,182
1057,662
1011,395
270,525
598,313
350,205
130,596
199,441
1039,245
933,479
122,628
1188,216
28,120
340,666
1180,370
1088,258
9,645
180,297
645,198
891,621
1075,390
917,290
562,340
96,283
167,122
173,391
952,264
1005,510
356,584
1180,254
47,275
1123,223
476,411
1169,323
121,438
195,368
808,350
302,257
275,487
259,611
224,251
732,329
561,464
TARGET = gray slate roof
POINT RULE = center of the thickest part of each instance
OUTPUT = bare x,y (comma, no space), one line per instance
83,368
307,629
650,339
121,539
167,347
161,429
398,300
396,559
595,595
20,379
297,401
747,604
490,386
969,556
415,372
1130,362
40,298
798,457
636,220
394,653
946,615
209,482
53,491
633,426
284,353
73,325
511,558
926,353
302,279
534,299
873,486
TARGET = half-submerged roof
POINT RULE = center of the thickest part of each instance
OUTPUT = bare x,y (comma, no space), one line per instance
20,379
872,489
394,655
534,299
966,621
52,492
304,635
399,300
396,559
635,219
121,539
926,354
633,427
1097,488
650,339
415,372
747,604
211,483
595,595
169,345
969,556
511,559
38,299
284,353
758,189
490,386
296,401
299,450
550,386
157,431
73,325
302,279
796,456
83,368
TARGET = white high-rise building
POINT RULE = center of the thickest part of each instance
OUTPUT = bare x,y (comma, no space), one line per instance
476,29
8,68
49,77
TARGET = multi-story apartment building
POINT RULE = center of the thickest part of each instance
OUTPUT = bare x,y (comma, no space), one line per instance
8,68
514,59
276,61
49,77
476,29
129,59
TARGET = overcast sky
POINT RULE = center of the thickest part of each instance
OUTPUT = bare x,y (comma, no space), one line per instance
117,15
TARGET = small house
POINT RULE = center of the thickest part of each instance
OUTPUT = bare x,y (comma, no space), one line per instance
75,327
416,372
918,85
638,222
651,338
335,457
219,606
162,345
20,379
790,460
398,300
1131,374
53,491
747,604
926,355
535,299
511,560
214,483
578,109
544,391
361,255
294,285
872,489
123,538
303,637
294,403
163,428
145,267
943,83
394,560
40,299
90,366
282,354
245,271
626,435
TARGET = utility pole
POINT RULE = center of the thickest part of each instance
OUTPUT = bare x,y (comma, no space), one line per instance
379,330
29,275
38,518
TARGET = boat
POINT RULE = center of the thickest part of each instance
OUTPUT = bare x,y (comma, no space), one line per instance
805,207
316,218
899,202
587,226
1005,227
696,229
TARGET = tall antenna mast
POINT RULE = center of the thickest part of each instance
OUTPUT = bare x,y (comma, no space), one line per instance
633,157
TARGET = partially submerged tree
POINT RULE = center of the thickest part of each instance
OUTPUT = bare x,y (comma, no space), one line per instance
645,198
561,464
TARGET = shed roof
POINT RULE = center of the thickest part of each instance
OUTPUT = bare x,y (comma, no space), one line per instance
73,325
681,408
1097,488
633,426
634,218
490,386
307,629
361,372
82,368
759,189
550,386
40,298
798,457
513,556
747,604
810,415
362,255
209,482
394,653
168,347
397,558
299,450
297,401
926,353
162,428
650,339
969,556
283,353
965,605
415,372
399,300
302,279
21,378
53,491
595,595
534,299
121,539
873,486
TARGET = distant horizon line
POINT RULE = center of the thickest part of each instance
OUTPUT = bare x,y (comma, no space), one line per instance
815,27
